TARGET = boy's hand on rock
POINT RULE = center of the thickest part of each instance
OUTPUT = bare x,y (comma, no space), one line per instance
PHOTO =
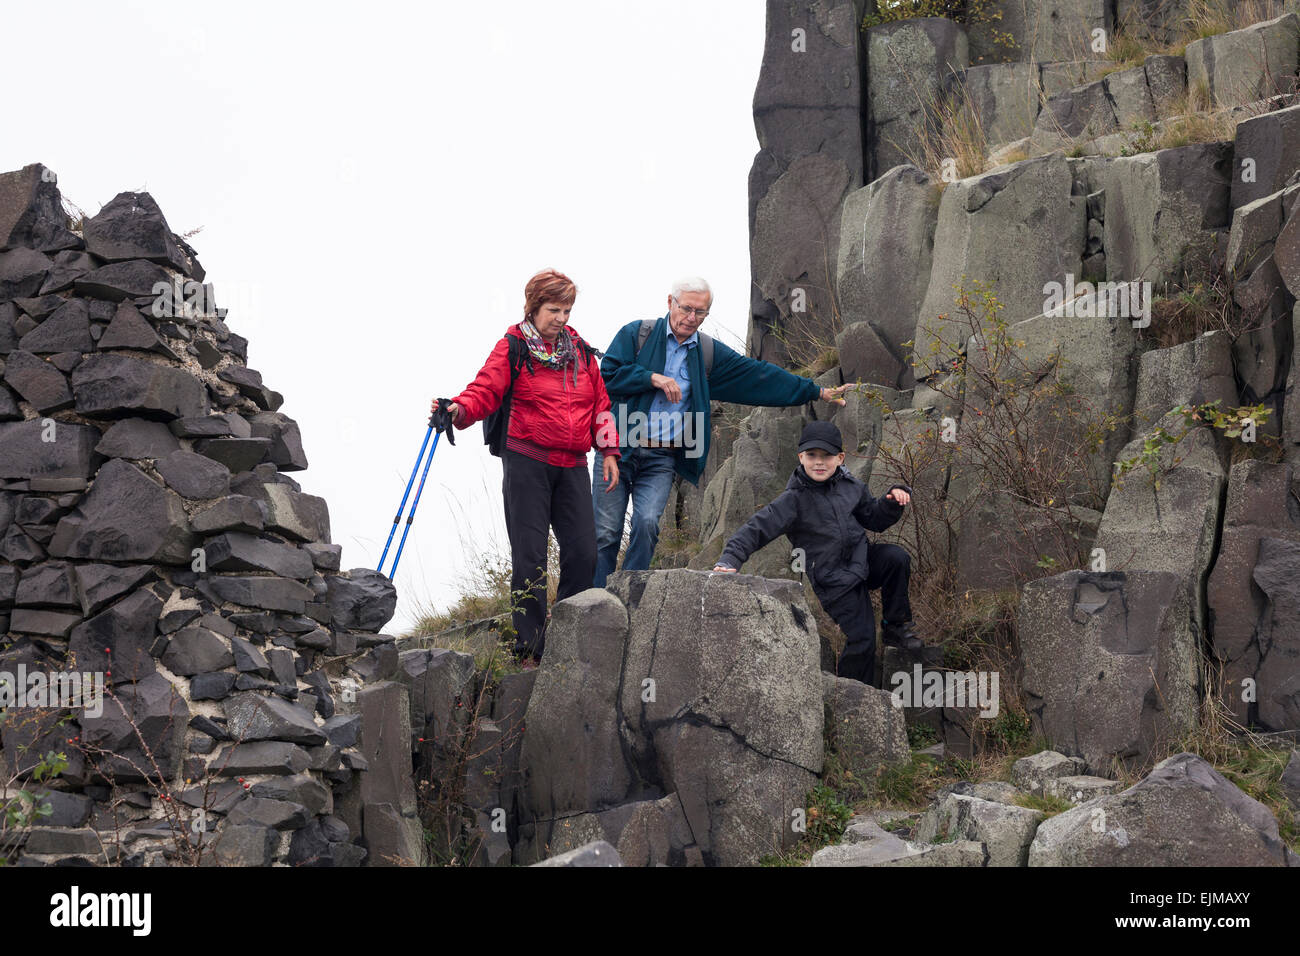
899,495
719,567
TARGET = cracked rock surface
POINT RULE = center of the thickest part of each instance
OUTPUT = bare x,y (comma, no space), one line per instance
685,686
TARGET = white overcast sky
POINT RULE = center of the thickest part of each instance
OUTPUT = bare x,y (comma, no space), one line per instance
375,183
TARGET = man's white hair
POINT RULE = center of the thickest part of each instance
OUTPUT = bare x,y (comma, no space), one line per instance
691,284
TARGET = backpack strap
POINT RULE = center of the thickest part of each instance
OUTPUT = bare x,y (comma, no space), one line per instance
517,350
643,333
706,353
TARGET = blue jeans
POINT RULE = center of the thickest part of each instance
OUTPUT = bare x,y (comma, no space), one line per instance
646,476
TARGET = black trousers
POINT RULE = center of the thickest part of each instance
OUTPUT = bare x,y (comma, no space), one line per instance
539,497
889,568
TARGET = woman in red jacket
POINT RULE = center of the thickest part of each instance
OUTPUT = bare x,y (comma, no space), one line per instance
559,411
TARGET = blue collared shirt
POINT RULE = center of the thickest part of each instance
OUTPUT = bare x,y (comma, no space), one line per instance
666,417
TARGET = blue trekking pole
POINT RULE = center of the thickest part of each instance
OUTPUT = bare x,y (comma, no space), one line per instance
438,422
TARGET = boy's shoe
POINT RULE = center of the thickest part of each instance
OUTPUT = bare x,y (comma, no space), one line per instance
902,635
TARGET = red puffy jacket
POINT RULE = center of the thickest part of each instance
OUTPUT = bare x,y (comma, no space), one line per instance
550,417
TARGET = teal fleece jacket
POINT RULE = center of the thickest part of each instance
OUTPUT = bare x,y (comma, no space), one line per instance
735,378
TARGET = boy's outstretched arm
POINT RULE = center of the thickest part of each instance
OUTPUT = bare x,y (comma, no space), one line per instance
879,514
767,524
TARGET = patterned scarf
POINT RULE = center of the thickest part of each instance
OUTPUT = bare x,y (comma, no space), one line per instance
563,356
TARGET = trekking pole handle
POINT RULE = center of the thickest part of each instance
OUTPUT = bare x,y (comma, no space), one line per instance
441,421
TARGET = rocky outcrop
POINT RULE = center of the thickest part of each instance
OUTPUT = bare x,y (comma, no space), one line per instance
661,689
1016,228
909,65
1183,814
811,77
1246,65
1162,209
1110,663
881,288
1248,596
149,536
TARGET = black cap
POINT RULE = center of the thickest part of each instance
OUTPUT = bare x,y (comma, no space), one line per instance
822,435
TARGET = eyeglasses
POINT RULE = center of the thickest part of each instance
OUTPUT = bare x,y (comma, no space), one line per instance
702,313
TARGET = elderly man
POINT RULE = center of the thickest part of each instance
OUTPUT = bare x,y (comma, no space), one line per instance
661,375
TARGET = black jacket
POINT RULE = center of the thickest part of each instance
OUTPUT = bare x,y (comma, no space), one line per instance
825,519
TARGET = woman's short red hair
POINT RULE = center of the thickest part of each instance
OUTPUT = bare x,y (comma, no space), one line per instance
548,286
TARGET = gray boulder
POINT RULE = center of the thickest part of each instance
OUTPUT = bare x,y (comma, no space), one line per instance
1272,142
1081,113
817,87
37,382
910,63
863,726
141,734
1005,829
362,600
1005,97
599,853
1080,788
299,516
1110,663
793,246
31,211
1255,510
99,584
1028,534
1277,575
438,683
22,273
36,449
137,438
390,824
252,716
1196,372
232,513
194,476
1033,773
268,593
66,330
633,701
126,516
196,650
131,226
1162,209
1248,65
134,279
236,551
1166,81
68,266
119,639
1172,527
1045,31
119,386
1183,814
131,330
285,437
882,270
1018,228
1254,232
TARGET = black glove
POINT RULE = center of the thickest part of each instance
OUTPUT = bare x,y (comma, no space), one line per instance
441,419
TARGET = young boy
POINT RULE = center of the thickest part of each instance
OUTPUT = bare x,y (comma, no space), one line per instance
823,511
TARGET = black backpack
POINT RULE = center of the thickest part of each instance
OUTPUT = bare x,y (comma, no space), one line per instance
496,425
